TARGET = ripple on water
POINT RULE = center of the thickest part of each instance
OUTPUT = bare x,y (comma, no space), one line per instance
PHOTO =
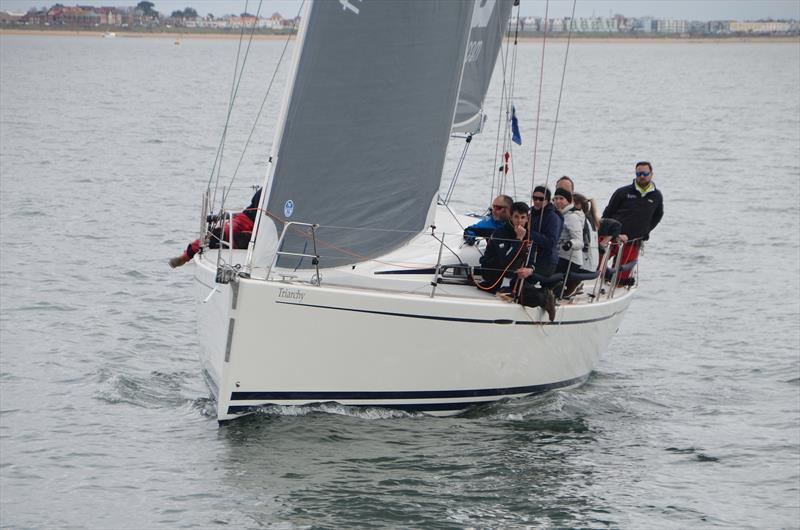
155,390
697,455
364,413
45,306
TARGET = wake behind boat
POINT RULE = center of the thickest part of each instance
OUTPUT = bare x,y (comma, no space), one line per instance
356,285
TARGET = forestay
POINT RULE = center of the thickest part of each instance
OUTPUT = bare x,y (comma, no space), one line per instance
489,22
367,124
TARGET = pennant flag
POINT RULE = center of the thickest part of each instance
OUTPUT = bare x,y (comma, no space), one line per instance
515,136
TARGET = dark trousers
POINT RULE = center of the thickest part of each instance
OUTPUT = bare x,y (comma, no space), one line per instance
531,296
544,268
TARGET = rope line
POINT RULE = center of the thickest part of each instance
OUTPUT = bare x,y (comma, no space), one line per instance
503,275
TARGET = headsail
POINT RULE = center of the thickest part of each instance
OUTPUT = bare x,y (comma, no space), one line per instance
489,23
367,125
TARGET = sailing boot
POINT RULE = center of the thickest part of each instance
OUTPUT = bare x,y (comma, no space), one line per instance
550,304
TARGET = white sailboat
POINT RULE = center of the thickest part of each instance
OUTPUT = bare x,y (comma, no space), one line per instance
354,288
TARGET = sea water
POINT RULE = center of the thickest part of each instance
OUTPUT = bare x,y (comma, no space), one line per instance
692,419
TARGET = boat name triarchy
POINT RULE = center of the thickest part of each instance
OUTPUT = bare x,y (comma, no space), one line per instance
291,294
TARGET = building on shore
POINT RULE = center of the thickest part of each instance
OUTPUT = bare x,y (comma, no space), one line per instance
770,26
84,16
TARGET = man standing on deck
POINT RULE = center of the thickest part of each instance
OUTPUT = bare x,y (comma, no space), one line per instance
639,207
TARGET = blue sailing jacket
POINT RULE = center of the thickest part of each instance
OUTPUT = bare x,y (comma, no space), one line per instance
483,228
546,227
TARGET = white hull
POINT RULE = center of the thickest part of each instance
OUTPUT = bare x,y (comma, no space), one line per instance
294,343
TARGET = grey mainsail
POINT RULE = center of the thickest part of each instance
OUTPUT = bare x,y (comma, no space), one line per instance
367,125
489,23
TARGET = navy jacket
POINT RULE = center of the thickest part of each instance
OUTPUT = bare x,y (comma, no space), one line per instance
546,227
638,214
500,251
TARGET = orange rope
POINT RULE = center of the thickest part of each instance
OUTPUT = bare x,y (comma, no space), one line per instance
503,275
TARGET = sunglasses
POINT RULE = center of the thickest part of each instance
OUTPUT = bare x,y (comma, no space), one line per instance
497,207
642,173
537,199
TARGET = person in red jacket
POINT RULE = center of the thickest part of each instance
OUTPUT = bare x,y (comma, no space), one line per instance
242,230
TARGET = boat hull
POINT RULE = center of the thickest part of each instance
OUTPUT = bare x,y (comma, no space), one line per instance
282,343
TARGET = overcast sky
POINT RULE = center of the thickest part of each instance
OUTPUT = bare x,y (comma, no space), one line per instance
681,9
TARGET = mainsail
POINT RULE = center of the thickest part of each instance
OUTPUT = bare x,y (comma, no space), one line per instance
489,23
366,125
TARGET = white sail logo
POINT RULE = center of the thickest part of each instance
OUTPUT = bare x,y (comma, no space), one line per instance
480,19
288,208
482,14
347,5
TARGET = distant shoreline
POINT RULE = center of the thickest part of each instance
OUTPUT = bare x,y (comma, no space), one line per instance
594,38
141,34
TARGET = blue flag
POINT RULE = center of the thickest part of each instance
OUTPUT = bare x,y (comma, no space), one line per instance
515,136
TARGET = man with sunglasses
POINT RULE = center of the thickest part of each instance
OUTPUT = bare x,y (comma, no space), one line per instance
639,207
545,226
498,218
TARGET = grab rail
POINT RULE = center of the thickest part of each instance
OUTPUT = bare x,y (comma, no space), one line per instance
317,280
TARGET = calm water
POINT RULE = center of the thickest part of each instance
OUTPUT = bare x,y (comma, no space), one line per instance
692,419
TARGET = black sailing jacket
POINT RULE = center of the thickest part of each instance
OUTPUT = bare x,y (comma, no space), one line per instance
638,214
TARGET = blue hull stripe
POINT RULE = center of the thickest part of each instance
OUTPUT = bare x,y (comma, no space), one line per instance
411,394
321,397
242,409
456,319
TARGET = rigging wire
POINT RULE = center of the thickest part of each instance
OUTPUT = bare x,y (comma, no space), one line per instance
539,101
504,63
234,92
555,124
260,110
304,233
452,186
218,158
532,253
561,89
510,145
